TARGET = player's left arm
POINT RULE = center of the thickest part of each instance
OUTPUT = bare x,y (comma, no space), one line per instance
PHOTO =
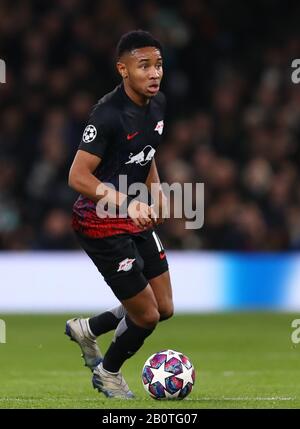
154,186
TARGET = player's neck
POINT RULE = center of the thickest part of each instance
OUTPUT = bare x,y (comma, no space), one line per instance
138,99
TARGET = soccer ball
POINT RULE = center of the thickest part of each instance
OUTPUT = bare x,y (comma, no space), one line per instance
168,375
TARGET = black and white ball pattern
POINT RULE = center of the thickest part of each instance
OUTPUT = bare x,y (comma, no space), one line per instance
89,134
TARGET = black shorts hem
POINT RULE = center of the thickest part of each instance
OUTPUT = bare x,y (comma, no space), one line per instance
156,271
134,282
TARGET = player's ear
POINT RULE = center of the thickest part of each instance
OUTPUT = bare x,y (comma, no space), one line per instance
122,69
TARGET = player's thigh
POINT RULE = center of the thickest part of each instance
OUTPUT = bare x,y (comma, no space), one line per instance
156,270
153,253
143,308
162,289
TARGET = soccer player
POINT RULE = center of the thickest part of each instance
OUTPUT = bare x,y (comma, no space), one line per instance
120,140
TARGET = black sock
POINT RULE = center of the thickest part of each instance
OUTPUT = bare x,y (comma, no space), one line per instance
106,321
128,339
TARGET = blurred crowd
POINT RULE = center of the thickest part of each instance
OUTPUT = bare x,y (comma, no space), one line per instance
233,117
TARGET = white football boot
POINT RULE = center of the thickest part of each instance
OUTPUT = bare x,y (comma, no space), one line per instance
79,331
112,385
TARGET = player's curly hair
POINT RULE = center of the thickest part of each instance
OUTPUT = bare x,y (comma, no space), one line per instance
134,40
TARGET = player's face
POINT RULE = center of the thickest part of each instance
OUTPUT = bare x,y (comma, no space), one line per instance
143,71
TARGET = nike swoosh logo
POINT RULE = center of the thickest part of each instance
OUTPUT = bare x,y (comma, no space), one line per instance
162,256
130,136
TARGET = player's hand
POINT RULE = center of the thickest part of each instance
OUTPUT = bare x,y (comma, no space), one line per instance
142,214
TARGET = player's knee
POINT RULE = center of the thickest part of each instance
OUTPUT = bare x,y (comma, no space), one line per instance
166,312
149,319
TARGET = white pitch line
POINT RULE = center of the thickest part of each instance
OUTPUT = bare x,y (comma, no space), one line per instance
274,398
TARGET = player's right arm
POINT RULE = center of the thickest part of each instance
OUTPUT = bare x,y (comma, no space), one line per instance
83,180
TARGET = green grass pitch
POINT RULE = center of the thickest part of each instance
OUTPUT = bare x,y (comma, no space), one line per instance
242,360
